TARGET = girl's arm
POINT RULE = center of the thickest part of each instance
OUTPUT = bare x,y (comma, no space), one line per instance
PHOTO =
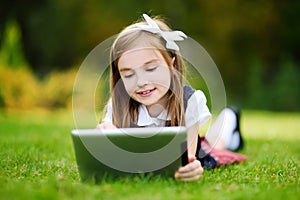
192,139
193,170
106,122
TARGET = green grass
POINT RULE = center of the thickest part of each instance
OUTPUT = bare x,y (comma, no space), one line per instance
38,162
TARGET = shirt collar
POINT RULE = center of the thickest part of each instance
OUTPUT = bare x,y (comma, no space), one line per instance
144,119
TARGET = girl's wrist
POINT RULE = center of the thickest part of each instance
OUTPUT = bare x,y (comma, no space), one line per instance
191,157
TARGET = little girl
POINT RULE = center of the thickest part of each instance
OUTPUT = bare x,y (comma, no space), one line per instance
147,90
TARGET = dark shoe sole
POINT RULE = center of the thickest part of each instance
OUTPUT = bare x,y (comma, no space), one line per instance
237,129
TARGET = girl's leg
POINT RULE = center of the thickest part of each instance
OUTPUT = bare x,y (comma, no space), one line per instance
224,132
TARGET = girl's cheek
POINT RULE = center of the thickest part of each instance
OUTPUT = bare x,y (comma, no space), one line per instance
162,78
130,86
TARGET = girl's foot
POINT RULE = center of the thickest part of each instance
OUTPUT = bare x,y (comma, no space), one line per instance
236,142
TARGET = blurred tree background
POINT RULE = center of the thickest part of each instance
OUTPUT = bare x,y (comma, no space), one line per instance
255,44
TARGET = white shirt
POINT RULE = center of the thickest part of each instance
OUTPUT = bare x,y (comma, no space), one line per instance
196,111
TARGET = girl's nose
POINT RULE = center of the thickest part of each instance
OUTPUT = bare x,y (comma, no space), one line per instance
141,80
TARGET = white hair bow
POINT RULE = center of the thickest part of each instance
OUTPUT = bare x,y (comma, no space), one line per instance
169,36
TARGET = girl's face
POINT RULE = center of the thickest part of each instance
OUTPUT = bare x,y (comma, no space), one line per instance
146,75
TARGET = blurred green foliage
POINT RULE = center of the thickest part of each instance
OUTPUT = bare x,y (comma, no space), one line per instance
282,93
11,53
20,88
255,43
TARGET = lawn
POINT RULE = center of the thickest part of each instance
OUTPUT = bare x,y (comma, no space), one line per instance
38,162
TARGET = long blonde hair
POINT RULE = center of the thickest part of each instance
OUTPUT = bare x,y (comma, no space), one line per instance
124,108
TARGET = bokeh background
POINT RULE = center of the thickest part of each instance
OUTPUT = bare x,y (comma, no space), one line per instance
255,44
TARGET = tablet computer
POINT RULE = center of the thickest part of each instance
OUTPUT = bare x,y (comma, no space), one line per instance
129,151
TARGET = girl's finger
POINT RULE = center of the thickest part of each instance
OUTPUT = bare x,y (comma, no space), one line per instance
194,173
105,126
190,167
188,174
193,178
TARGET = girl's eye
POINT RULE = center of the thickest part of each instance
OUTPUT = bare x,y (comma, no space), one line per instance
151,68
127,74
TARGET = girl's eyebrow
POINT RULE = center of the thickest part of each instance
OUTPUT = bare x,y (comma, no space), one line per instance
125,69
151,61
146,63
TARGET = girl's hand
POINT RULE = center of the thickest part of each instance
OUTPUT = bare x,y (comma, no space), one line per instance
105,125
190,172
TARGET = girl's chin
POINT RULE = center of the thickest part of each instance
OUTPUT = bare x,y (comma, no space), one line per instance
149,101
146,102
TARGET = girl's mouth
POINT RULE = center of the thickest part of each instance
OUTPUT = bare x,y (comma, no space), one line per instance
146,93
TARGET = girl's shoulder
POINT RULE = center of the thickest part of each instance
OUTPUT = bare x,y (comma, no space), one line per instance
195,108
187,93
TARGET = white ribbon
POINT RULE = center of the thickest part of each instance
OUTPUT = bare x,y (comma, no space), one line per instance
169,36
